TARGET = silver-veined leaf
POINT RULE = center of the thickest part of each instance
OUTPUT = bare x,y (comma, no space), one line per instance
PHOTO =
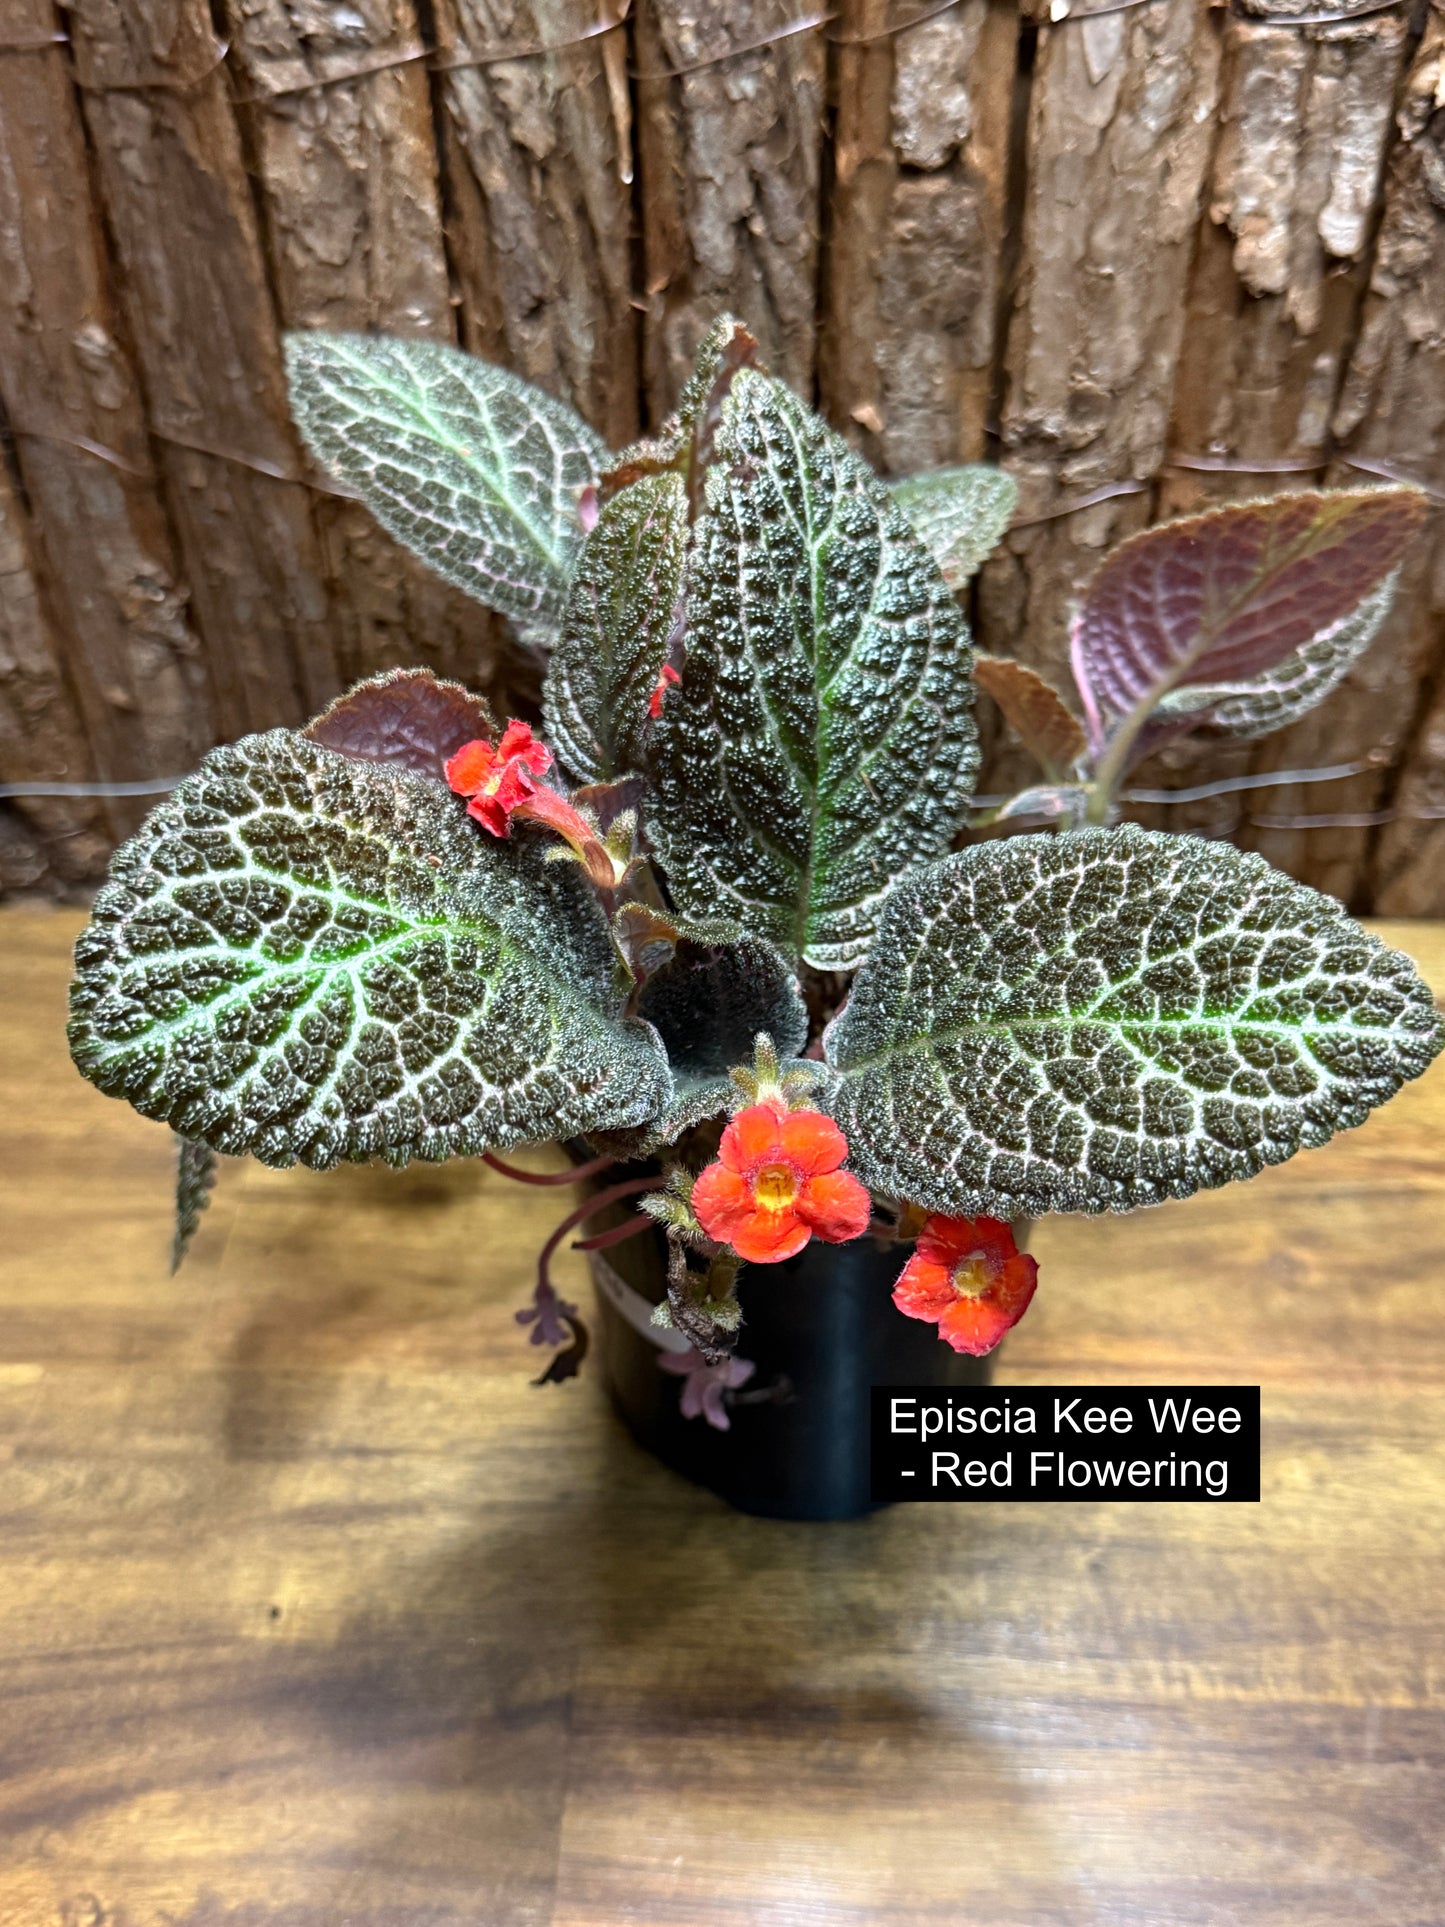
472,467
1109,1018
961,514
822,741
309,957
1282,694
622,609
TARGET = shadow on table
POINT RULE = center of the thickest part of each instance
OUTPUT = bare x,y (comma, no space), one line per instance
648,1669
638,1662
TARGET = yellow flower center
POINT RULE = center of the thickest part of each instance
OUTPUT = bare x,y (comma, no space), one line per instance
775,1187
972,1276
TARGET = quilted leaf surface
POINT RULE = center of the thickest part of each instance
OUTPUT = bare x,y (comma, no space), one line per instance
960,513
623,607
472,467
822,741
312,958
1287,690
1109,1018
1220,597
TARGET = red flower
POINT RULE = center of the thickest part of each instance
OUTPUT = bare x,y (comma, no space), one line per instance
498,780
970,1278
502,784
777,1184
667,678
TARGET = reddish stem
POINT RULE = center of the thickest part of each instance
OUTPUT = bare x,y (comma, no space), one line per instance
589,1170
619,1234
599,1201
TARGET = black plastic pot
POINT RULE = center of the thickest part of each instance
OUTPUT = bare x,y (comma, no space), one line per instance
821,1330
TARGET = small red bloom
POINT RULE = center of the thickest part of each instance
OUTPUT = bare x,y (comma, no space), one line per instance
777,1184
667,678
502,784
970,1278
497,780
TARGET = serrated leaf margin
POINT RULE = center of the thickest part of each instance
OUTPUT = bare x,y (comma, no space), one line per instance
473,468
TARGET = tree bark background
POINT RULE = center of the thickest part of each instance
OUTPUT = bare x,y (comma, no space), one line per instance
1170,255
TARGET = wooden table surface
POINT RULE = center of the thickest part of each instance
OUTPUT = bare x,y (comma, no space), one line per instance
313,1613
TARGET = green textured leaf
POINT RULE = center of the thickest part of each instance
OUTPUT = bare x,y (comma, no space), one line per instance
1109,1018
472,467
822,741
622,609
960,513
1260,704
309,957
710,989
195,1180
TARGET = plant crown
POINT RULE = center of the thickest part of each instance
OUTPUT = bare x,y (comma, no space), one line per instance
758,742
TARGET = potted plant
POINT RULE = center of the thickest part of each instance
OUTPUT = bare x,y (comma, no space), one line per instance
710,928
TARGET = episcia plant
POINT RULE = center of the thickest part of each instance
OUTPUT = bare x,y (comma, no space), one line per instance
710,928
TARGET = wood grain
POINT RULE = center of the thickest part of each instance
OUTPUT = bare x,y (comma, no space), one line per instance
314,1611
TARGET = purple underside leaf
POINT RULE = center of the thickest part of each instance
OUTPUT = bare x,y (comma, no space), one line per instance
1222,597
407,717
1162,730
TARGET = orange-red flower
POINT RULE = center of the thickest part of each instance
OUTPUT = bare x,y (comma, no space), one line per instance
502,784
498,780
667,678
777,1183
970,1278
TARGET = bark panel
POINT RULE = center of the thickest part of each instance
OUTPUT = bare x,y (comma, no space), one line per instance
348,172
1279,273
1393,408
538,155
730,159
1304,117
1118,144
916,226
117,634
200,312
44,841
